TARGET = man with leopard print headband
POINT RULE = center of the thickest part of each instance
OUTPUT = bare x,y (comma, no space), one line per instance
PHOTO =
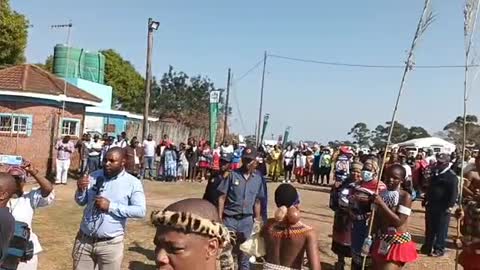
189,236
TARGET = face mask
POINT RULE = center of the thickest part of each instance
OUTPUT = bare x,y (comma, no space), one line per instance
367,176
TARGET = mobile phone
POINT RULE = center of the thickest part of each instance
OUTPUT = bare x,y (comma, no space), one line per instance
11,160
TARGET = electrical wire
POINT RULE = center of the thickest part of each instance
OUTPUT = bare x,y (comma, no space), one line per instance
237,106
365,65
249,71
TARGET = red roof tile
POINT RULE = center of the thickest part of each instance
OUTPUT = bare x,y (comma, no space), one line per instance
30,78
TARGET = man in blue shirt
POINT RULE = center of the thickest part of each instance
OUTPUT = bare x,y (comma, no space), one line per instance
111,196
239,202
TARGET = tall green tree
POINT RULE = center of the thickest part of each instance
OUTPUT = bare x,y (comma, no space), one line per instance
417,133
361,134
13,35
184,98
48,65
128,85
454,130
400,133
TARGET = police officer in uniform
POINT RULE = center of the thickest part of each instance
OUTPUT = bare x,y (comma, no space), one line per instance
239,204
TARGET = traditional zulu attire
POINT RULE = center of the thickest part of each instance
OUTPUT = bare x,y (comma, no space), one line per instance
341,221
393,246
360,219
470,256
280,230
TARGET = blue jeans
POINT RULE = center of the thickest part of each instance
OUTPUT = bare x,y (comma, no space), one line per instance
93,163
243,229
148,167
437,221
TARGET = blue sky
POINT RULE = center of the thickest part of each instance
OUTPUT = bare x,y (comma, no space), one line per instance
319,102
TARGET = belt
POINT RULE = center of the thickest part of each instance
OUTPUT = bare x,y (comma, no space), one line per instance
398,238
239,216
93,238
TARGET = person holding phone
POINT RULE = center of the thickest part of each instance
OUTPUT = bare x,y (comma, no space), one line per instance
24,205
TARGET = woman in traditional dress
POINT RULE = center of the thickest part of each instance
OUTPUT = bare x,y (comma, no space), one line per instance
360,209
276,163
215,168
393,246
204,160
341,220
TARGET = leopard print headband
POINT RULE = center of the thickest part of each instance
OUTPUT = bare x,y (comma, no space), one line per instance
191,223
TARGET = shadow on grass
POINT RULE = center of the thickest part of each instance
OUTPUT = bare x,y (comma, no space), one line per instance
149,254
136,265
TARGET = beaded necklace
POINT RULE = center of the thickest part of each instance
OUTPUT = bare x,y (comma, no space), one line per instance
281,230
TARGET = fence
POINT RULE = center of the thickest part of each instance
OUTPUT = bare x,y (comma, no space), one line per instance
176,132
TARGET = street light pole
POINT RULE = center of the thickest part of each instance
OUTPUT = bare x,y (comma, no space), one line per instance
258,141
227,110
152,25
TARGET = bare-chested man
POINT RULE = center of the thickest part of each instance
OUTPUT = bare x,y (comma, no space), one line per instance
471,185
189,236
286,237
393,247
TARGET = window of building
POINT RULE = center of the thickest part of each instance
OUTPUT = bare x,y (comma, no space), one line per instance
15,123
70,127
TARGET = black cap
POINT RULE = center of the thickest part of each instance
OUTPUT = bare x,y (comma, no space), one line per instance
443,158
249,153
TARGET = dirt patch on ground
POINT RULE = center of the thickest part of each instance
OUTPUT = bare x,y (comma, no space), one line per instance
57,226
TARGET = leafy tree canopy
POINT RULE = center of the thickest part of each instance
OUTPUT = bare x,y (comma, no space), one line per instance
184,98
48,65
13,35
454,130
128,85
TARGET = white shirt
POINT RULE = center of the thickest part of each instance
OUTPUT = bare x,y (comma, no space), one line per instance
94,145
149,148
226,149
23,208
122,143
408,171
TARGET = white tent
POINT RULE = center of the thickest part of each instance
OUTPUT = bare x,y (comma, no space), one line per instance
438,145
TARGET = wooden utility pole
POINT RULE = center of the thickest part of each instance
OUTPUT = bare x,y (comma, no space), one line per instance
227,110
259,126
152,25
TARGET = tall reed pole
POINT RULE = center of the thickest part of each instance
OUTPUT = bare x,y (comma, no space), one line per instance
424,22
469,25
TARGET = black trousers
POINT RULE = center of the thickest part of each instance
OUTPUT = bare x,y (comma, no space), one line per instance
436,233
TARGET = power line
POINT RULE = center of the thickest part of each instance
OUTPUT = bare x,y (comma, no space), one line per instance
364,65
250,70
237,106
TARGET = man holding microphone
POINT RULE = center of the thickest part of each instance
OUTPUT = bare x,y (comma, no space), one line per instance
111,196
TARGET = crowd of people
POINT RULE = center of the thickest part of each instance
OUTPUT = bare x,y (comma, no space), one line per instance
371,195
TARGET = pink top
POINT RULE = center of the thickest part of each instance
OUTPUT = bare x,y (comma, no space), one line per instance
62,153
